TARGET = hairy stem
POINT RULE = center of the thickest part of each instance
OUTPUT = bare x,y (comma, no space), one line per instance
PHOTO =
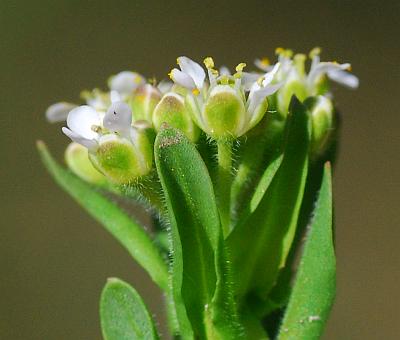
224,182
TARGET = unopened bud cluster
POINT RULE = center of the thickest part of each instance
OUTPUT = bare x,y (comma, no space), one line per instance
113,133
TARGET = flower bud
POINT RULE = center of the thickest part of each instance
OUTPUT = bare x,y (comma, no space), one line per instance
143,102
77,159
172,110
322,120
121,160
294,85
224,113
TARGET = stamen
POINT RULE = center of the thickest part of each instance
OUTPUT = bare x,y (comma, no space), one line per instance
96,128
209,62
214,72
284,52
265,61
240,67
299,60
196,92
314,52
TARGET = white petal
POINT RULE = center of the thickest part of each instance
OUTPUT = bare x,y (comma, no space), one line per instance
58,112
118,117
115,96
81,119
182,79
258,94
268,77
248,80
125,82
164,86
344,78
88,143
98,100
315,61
193,69
224,71
262,65
324,68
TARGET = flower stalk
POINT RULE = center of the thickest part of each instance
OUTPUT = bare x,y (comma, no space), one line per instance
224,182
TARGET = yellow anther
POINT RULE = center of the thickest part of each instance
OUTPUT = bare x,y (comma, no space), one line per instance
284,52
265,61
314,52
177,61
209,62
96,128
289,53
137,79
170,75
152,81
196,91
260,80
240,67
349,68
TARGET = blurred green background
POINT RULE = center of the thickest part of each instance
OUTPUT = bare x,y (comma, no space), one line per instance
54,259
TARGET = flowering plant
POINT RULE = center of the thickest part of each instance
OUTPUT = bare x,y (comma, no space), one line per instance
234,169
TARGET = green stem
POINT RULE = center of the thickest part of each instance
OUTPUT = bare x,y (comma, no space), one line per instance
224,182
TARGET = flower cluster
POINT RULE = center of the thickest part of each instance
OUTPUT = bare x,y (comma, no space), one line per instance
115,129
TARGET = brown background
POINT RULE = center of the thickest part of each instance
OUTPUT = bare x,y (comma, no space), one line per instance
54,259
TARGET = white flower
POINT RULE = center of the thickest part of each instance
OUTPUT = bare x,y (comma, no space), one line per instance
87,126
263,64
191,75
83,123
118,117
125,82
207,103
334,71
261,89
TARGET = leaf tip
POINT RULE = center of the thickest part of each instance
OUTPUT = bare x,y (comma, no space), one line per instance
40,145
111,280
328,165
168,137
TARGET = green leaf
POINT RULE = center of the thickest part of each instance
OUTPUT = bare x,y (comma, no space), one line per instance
261,188
260,147
199,272
314,289
260,245
128,232
123,314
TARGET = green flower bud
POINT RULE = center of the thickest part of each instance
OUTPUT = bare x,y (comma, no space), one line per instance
294,85
143,102
224,114
172,110
123,161
77,159
322,120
